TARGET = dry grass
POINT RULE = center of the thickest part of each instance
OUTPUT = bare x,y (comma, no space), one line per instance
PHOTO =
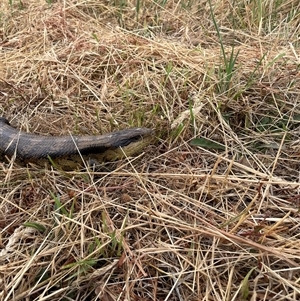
178,222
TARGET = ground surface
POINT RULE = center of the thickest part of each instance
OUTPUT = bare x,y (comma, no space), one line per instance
210,211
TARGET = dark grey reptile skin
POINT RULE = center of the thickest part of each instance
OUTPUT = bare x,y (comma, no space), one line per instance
30,148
